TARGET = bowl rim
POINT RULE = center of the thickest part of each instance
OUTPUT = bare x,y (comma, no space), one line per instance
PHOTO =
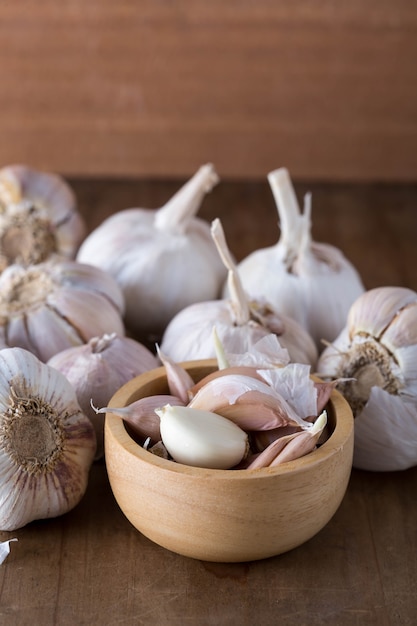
115,429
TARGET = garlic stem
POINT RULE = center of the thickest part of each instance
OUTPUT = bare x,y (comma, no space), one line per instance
238,297
288,209
178,211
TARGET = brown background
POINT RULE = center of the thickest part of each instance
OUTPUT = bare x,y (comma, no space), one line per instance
155,88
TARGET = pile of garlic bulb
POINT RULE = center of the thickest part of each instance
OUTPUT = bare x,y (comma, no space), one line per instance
376,353
313,283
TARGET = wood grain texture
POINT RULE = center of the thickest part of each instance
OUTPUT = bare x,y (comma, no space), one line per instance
139,88
91,567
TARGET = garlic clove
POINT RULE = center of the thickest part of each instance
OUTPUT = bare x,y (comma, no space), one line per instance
249,402
201,438
179,380
292,446
140,415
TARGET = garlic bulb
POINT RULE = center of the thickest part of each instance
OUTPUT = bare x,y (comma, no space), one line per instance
313,283
98,368
162,259
52,306
201,438
38,217
47,444
239,322
377,353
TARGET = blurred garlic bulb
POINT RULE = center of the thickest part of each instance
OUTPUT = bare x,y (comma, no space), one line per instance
313,283
38,217
47,444
239,322
164,260
377,350
98,368
52,306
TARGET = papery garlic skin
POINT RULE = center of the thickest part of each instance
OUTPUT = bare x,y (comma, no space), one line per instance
377,353
163,260
39,217
98,368
312,283
47,444
201,438
52,306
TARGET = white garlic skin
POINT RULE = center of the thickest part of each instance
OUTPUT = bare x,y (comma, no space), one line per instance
313,283
97,369
378,348
162,259
45,473
51,306
200,438
38,216
189,335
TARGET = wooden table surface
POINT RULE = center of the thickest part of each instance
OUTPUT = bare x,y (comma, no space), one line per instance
91,566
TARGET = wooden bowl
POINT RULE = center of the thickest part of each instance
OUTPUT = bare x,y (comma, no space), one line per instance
226,515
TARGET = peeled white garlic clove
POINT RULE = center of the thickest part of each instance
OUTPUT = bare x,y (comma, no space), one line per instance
38,217
47,444
375,355
239,323
201,438
52,306
98,368
164,260
312,283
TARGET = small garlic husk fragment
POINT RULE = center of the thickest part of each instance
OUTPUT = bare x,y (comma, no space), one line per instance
163,260
240,323
38,217
47,444
98,368
312,283
201,438
140,416
290,447
5,549
55,305
375,355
